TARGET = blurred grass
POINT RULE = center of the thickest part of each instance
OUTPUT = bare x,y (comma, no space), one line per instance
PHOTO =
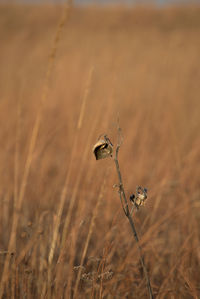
147,71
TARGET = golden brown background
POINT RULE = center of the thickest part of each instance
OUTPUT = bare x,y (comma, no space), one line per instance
58,206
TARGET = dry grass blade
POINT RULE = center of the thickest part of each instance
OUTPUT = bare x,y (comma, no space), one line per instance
33,139
65,188
90,231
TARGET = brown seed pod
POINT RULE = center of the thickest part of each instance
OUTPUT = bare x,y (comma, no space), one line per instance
103,149
141,196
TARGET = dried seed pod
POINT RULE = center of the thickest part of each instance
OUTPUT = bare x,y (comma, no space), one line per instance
103,148
140,198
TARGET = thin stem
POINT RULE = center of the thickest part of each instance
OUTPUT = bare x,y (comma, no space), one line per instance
129,216
121,188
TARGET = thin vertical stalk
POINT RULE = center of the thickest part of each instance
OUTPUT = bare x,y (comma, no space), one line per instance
95,212
129,216
12,240
65,187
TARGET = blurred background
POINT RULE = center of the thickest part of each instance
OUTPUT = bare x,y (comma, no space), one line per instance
68,75
108,2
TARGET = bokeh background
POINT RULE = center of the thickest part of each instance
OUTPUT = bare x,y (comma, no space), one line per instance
67,76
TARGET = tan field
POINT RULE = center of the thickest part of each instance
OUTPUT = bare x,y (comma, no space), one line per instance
67,77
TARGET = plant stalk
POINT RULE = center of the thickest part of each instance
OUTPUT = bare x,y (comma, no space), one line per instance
129,216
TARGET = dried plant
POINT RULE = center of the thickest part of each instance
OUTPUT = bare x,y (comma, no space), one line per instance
55,213
104,149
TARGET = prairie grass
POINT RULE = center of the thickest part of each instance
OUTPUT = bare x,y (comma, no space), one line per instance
71,238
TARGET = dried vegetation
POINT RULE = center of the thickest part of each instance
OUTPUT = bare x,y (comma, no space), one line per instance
69,233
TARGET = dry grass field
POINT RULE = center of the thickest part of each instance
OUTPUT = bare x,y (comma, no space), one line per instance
63,233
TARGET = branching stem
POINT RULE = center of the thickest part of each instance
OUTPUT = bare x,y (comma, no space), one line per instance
129,216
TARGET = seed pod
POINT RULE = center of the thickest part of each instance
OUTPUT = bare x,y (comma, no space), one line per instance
103,149
141,196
